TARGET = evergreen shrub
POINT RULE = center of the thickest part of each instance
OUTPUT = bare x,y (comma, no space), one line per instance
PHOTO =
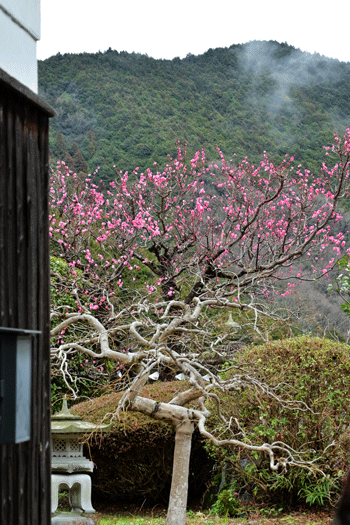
133,462
315,371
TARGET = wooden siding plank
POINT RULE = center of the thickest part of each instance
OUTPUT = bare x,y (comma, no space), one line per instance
3,164
11,292
19,220
44,321
4,510
9,233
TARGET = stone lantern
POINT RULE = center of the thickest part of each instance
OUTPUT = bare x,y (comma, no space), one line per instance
70,469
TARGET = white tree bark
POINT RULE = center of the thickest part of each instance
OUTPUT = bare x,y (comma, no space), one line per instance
179,484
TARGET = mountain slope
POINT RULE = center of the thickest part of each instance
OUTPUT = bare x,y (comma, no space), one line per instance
130,109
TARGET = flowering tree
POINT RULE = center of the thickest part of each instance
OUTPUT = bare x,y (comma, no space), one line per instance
154,262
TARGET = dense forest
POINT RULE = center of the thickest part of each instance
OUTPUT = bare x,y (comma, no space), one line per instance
129,110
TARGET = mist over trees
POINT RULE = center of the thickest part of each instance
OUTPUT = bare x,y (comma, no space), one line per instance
130,109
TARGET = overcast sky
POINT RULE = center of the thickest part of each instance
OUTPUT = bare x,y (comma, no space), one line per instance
166,29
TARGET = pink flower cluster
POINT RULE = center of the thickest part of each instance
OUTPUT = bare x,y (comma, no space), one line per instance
214,221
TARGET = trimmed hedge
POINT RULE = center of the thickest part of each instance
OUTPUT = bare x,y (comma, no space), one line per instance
317,372
133,462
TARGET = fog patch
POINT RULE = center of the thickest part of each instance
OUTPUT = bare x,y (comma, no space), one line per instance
286,67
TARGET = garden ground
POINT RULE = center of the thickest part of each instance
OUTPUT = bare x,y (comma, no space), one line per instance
253,516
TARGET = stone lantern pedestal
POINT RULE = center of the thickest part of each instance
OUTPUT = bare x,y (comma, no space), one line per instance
70,469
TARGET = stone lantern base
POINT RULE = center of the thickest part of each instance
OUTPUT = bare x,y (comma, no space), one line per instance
70,518
79,486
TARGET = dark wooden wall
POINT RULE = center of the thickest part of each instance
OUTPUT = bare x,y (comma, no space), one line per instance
24,291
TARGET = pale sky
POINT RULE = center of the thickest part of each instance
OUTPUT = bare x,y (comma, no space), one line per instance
166,29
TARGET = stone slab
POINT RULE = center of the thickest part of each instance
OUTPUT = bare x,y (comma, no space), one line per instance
69,518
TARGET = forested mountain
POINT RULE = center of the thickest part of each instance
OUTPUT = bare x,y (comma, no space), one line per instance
128,110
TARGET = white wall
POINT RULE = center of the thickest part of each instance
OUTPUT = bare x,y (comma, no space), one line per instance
19,32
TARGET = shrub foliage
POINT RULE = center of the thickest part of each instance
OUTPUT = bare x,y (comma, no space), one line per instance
316,372
134,460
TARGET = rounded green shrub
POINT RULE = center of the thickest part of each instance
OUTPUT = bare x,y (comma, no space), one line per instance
313,371
133,462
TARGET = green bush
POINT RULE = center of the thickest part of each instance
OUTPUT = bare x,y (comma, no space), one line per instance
312,370
227,504
134,460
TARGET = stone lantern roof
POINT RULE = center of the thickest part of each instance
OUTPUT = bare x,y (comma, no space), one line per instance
64,422
66,446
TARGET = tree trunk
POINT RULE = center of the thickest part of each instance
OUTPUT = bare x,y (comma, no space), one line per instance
179,483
